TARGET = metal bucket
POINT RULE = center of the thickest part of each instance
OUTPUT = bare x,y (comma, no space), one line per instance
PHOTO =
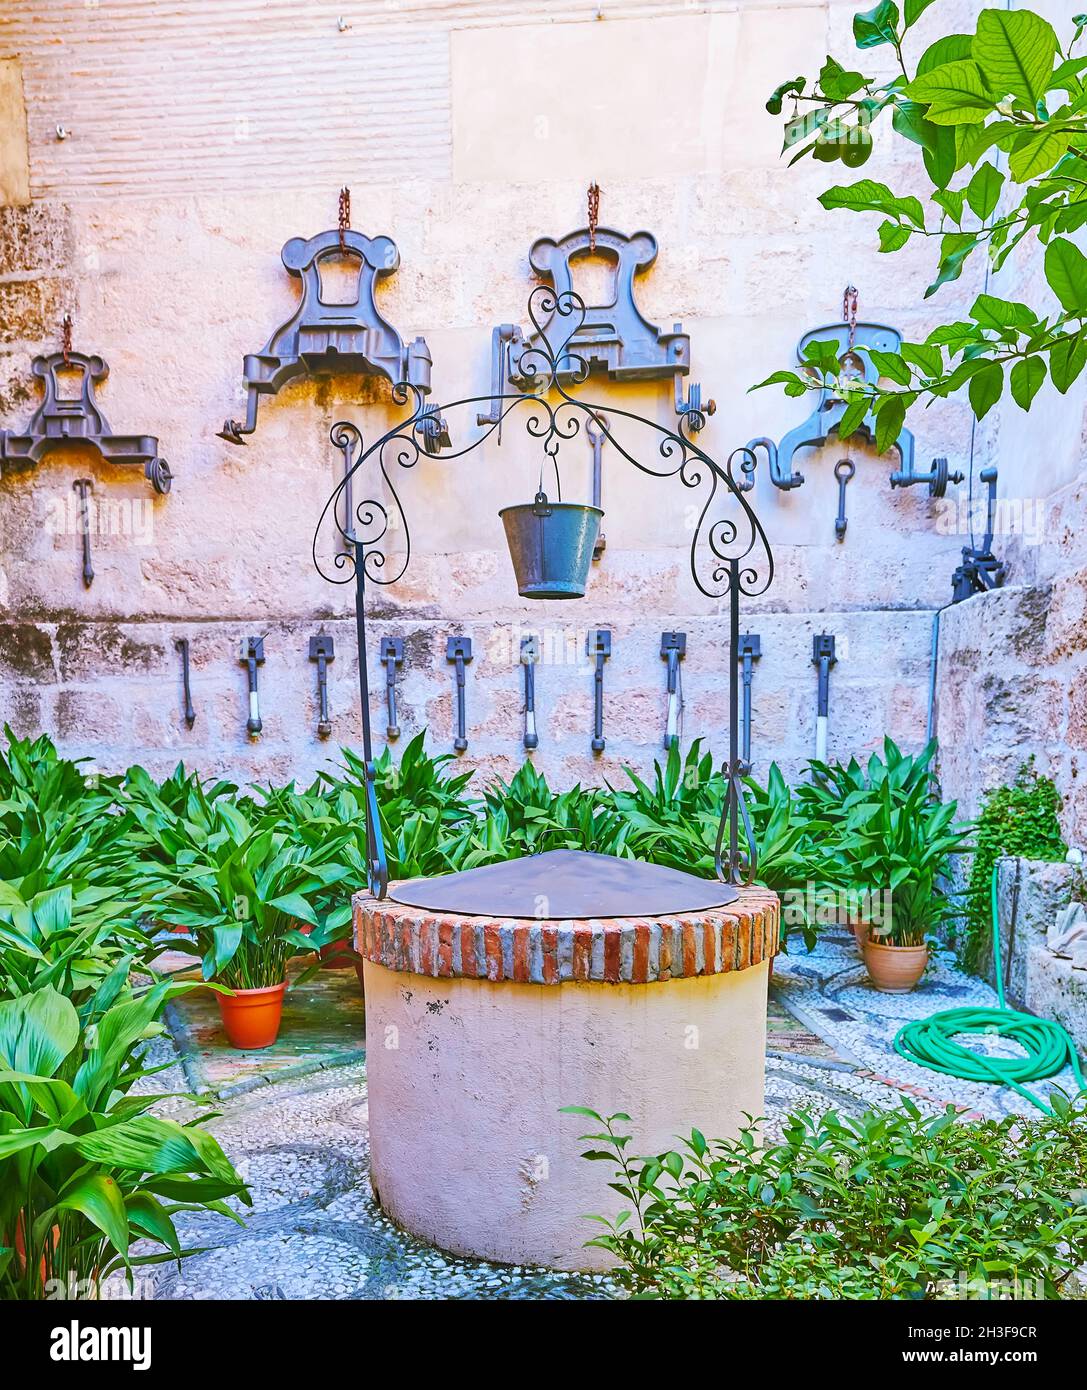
551,546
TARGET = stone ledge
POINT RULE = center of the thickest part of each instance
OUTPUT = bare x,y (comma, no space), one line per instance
627,950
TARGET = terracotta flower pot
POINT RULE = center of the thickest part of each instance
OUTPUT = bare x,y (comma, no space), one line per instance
860,935
251,1016
895,969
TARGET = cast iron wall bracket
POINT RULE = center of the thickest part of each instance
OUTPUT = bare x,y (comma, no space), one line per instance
854,360
68,418
320,337
614,338
392,654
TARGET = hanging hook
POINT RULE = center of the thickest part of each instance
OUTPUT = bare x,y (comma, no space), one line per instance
849,312
344,215
594,215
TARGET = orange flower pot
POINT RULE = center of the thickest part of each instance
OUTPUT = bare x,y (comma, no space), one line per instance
251,1016
895,969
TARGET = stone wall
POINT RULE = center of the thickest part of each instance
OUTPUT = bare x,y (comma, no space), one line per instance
200,138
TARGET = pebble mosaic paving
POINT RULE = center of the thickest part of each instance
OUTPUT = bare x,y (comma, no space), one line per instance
315,1231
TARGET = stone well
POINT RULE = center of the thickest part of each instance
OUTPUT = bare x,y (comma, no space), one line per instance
478,1030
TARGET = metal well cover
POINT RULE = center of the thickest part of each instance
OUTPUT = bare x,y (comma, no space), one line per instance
565,885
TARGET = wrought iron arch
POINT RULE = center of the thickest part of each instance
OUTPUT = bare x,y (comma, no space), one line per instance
730,556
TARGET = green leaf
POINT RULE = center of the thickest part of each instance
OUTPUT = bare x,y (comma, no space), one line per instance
1067,359
1015,50
914,9
1066,271
951,200
991,312
98,1197
37,1031
986,388
927,359
1036,152
955,93
866,195
945,50
954,249
852,417
893,236
983,190
891,366
836,83
876,27
941,160
1026,380
889,420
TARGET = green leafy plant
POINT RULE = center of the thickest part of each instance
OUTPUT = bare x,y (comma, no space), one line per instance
1008,89
889,833
1016,820
891,1204
242,890
85,1170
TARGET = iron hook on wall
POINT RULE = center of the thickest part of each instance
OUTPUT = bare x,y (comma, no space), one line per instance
182,645
322,650
823,657
748,651
252,656
596,439
84,486
530,655
458,650
673,650
598,646
392,654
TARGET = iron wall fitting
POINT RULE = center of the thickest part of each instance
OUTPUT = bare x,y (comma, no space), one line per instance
673,650
748,650
182,645
322,337
322,650
392,654
84,486
823,658
613,338
252,656
598,646
855,344
459,651
70,414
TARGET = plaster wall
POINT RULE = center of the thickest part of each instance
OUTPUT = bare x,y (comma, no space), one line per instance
201,137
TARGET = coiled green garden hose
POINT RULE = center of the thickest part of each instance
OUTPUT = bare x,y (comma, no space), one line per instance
931,1042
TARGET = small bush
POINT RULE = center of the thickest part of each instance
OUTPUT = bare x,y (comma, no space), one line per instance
892,1204
1016,820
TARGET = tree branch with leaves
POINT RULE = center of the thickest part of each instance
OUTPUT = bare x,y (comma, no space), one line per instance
1006,93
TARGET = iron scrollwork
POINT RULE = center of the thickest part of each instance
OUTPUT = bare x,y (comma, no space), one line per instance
730,556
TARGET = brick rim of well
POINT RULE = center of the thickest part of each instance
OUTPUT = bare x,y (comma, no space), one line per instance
618,950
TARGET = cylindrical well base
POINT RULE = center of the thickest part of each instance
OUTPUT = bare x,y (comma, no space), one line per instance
467,1078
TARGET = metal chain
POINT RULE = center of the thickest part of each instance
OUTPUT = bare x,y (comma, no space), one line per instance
66,337
594,214
345,215
849,312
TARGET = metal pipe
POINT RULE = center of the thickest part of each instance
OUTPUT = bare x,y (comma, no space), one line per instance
598,645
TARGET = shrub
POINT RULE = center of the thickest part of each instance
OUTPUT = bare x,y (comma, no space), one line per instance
891,1204
1016,820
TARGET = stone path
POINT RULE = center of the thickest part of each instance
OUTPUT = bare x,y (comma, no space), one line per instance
315,1231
